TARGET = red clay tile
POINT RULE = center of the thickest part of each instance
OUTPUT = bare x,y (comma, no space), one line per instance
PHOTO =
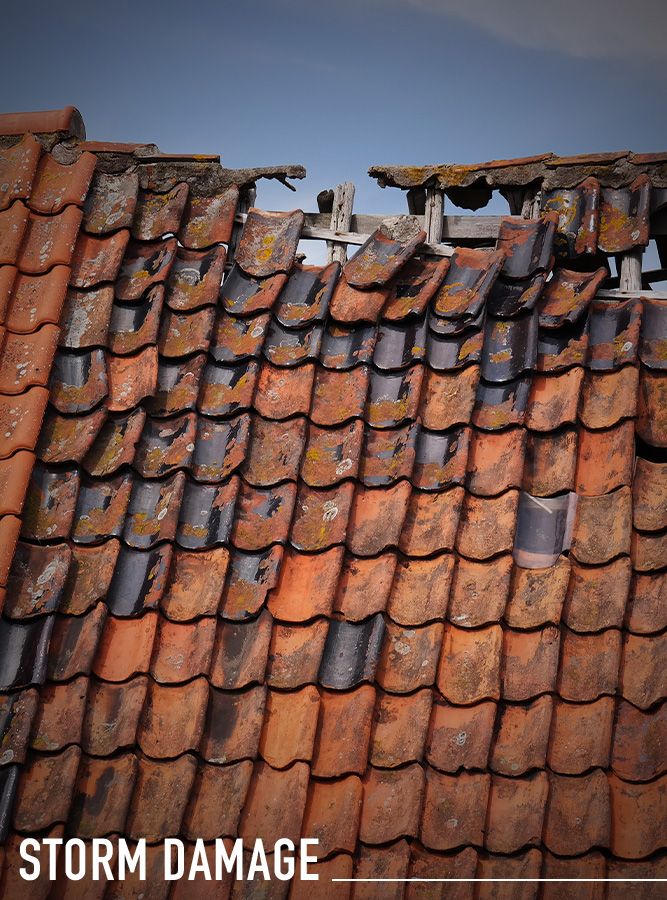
18,166
131,378
7,277
431,521
56,185
469,667
182,651
420,589
460,736
14,479
165,445
125,647
233,724
10,527
251,576
101,508
389,403
89,576
295,654
605,459
263,516
134,888
275,451
50,502
639,817
97,260
20,420
454,809
589,664
332,454
596,597
409,657
216,801
581,736
551,460
400,727
195,583
344,730
376,518
643,679
602,527
608,397
567,295
133,327
647,606
306,585
392,804
225,391
144,265
425,866
624,216
195,278
275,804
522,735
495,461
45,788
17,711
111,202
172,721
650,868
234,338
49,241
59,715
487,525
290,724
516,812
458,296
269,241
364,586
86,316
161,792
12,882
112,715
649,495
414,286
338,396
209,220
354,304
240,652
530,663
554,399
159,214
321,516
526,867
578,814
114,445
388,455
479,591
78,382
592,866
68,438
26,359
13,222
283,392
652,408
74,642
639,741
241,294
381,862
648,551
332,815
184,333
102,795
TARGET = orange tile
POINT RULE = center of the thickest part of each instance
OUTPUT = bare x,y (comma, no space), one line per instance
592,866
364,586
647,609
209,220
554,399
643,678
306,585
523,866
649,495
479,591
240,652
578,814
339,866
351,304
581,736
158,214
425,866
469,667
12,882
49,241
652,408
263,516
551,460
448,398
18,165
112,715
321,516
216,801
420,590
161,792
639,817
17,711
649,868
431,521
7,277
589,664
182,651
249,581
275,451
343,734
639,741
281,393
290,724
382,862
460,736
605,459
516,812
409,657
537,595
59,715
26,359
608,397
44,790
602,527
13,222
57,185
131,378
376,518
392,804
495,461
196,581
530,663
233,725
98,259
648,551
172,721
89,576
400,727
14,479
596,597
521,738
295,654
102,795
454,810
69,438
338,396
125,647
487,525
332,454
275,804
74,641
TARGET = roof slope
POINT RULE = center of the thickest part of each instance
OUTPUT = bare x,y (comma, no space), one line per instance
361,555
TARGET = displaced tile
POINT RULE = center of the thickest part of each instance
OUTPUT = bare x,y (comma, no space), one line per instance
208,220
218,795
125,647
152,513
275,804
469,668
36,580
112,715
290,723
20,420
479,591
554,399
114,444
240,652
596,597
344,730
578,814
537,595
24,647
392,804
172,720
602,527
516,812
467,284
581,736
487,525
242,293
79,382
268,242
50,503
624,216
26,359
567,296
400,727
138,580
589,664
409,657
111,202
578,217
161,792
376,518
351,653
295,654
49,241
614,336
454,809
97,259
143,266
195,277
306,585
135,325
527,244
159,214
385,252
521,737
420,589
251,576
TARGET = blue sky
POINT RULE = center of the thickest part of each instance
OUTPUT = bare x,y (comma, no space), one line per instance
342,85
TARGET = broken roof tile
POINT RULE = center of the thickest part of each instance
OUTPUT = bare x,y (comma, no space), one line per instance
384,253
602,527
351,653
194,278
153,509
469,279
36,580
454,809
376,518
143,266
589,664
24,652
138,580
78,381
306,585
420,589
233,724
97,259
614,333
208,220
392,804
578,814
111,202
295,654
344,730
159,214
567,296
581,736
624,216
49,240
131,378
240,652
522,736
268,242
578,217
469,668
50,503
527,244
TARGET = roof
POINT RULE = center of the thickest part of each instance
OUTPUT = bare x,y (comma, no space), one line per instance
372,554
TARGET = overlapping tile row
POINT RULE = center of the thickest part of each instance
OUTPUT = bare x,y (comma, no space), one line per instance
362,555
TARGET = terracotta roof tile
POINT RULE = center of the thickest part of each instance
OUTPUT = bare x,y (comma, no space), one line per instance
234,338
135,326
36,580
177,386
554,400
382,862
209,220
56,185
392,804
290,724
269,241
172,720
567,295
14,478
125,647
93,815
144,265
86,317
195,583
295,654
10,527
522,735
306,585
487,525
605,459
578,813
131,379
138,580
467,283
376,518
182,651
614,333
45,788
343,734
639,741
332,815
616,868
388,455
638,817
607,397
560,348
184,333
26,359
469,667
400,727
275,451
581,736
195,277
37,300
17,710
233,724
351,652
165,446
590,865
251,576
101,508
596,597
646,611
431,522
12,880
262,516
89,576
454,810
159,214
112,715
459,737
516,812
240,652
530,663
495,461
242,294
440,458
642,677
479,591
589,664
111,202
624,216
602,527
80,381
649,495
364,585
49,241
420,589
409,657
160,796
551,460
425,865
74,643
97,259
20,419
649,551
109,447
216,801
525,865
18,165
339,866
24,652
50,503
275,804
448,399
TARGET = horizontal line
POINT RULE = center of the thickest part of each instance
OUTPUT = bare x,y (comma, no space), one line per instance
502,880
